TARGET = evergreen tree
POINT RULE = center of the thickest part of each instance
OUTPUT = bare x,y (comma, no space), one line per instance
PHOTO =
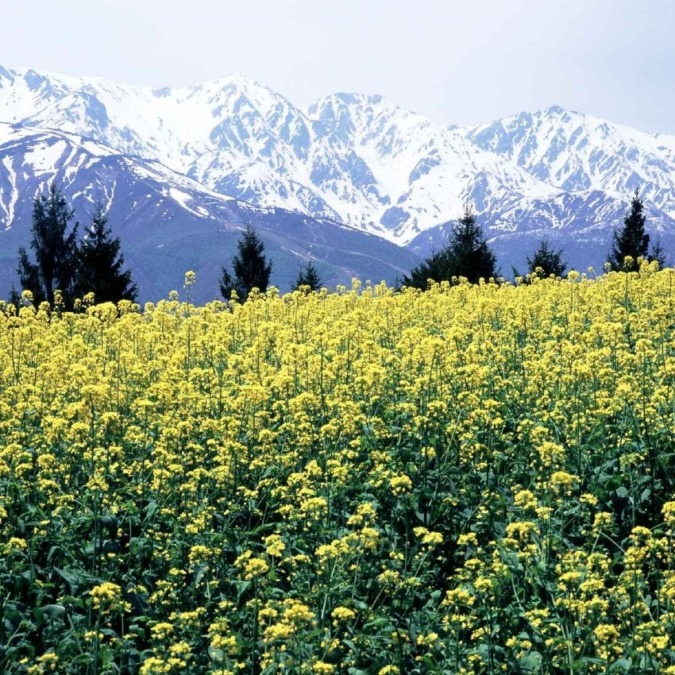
467,254
227,285
471,256
14,297
632,240
251,268
29,277
308,276
55,249
658,254
546,261
101,262
437,267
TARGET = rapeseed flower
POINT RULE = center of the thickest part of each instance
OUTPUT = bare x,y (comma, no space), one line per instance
237,487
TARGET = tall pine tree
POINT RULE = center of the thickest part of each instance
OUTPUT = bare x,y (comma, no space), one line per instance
471,256
251,268
100,264
308,277
632,240
546,261
467,254
54,244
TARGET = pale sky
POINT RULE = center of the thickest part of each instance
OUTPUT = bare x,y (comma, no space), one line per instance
460,63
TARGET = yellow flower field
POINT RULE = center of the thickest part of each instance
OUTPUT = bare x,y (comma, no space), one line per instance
474,479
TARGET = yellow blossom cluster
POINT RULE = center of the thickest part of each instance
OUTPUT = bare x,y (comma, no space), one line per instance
471,479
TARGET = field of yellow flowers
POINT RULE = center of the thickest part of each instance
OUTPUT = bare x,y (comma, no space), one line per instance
474,479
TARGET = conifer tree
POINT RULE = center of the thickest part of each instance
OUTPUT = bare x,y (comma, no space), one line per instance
471,256
308,276
546,261
632,241
100,264
437,267
658,254
54,245
251,268
14,297
467,254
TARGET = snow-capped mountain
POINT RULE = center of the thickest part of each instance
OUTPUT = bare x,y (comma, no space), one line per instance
576,152
168,223
367,163
358,159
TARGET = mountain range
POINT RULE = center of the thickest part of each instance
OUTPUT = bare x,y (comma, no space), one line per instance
353,182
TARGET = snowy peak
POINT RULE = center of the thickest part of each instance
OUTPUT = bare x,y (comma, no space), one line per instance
22,93
79,112
410,171
355,117
253,119
371,121
357,159
574,151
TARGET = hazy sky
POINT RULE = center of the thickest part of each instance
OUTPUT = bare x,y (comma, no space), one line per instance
456,62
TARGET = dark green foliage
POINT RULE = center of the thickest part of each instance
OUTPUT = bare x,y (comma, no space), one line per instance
227,284
436,267
251,268
100,264
632,240
14,297
471,255
54,244
29,276
546,261
308,276
467,254
658,254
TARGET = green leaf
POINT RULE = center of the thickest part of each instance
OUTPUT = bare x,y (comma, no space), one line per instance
53,610
109,522
378,622
216,655
531,662
199,574
621,666
72,578
150,510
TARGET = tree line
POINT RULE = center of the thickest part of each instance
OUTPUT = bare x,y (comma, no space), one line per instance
467,253
94,264
63,267
251,269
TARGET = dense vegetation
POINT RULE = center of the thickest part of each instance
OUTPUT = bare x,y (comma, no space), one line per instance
475,479
94,267
63,269
466,254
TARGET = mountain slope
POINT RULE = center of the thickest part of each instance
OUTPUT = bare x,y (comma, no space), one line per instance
514,234
168,223
365,162
359,159
573,152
